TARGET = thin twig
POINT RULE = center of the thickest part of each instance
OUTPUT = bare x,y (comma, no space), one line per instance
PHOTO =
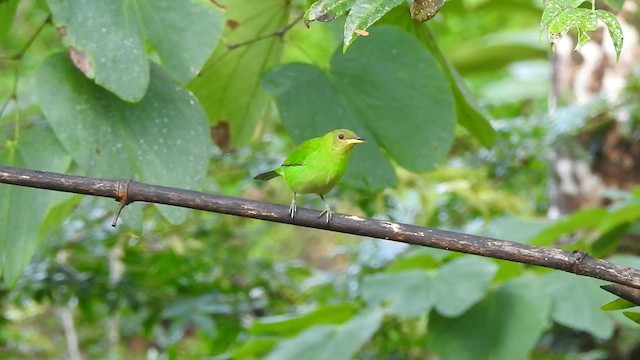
18,57
577,262
20,54
276,33
234,46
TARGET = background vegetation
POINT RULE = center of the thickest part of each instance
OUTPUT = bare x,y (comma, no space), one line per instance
467,129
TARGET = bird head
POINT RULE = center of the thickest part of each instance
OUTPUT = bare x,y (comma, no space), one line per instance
343,139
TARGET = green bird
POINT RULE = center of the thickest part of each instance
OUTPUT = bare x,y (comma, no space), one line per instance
316,166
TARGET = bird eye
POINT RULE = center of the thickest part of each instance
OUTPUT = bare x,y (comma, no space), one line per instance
341,136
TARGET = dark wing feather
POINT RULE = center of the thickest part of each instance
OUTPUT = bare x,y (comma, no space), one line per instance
266,175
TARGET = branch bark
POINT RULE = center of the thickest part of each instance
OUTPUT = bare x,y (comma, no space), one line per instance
128,191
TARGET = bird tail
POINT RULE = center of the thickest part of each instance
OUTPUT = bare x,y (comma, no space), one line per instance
267,175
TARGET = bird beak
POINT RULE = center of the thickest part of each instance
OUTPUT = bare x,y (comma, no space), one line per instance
357,140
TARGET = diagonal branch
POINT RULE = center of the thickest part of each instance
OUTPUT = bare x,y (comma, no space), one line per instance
127,191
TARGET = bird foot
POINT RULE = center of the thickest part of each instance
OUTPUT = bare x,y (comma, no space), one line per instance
293,208
326,211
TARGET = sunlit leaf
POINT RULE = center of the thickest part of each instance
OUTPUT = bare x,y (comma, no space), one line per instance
560,16
229,85
327,10
553,8
617,304
615,30
584,20
363,14
633,316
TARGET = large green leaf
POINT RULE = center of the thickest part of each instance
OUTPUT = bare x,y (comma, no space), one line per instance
229,86
388,88
334,342
407,294
162,139
468,112
460,283
183,33
505,325
394,83
577,301
106,39
22,209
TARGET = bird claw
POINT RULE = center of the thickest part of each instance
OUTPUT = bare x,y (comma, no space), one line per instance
293,208
327,211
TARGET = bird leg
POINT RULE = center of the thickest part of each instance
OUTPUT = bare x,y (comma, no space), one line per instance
292,208
326,210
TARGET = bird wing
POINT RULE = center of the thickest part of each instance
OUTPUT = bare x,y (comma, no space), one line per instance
302,153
